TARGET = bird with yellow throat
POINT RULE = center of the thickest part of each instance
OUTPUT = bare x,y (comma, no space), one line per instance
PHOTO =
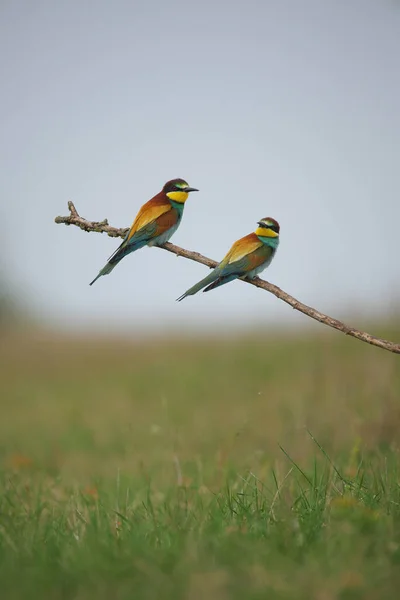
247,258
155,223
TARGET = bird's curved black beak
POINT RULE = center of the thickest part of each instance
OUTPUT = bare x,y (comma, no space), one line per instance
189,189
261,224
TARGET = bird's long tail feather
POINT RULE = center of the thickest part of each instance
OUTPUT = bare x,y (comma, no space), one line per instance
211,277
117,256
108,267
220,281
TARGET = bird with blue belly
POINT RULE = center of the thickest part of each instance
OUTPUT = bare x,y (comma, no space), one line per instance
155,223
247,258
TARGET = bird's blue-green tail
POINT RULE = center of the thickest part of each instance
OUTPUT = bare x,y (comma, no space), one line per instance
105,271
211,277
222,280
124,249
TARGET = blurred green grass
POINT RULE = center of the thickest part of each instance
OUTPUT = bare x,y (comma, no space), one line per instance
257,466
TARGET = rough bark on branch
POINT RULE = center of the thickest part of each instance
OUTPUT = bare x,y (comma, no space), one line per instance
103,227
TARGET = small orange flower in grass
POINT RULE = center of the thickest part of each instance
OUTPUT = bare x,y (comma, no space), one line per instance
19,461
91,491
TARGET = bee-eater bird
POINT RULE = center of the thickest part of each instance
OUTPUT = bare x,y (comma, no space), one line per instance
248,256
155,223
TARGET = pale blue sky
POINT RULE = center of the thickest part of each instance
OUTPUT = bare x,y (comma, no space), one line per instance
272,108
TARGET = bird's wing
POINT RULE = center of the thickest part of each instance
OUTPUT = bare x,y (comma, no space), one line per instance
247,263
244,252
252,260
164,222
146,216
144,227
241,262
242,247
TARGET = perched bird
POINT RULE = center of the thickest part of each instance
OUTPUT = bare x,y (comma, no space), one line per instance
155,223
248,256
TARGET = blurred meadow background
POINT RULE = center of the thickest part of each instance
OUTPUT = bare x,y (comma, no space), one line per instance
226,446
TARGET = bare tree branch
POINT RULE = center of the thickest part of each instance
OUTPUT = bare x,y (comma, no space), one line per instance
103,227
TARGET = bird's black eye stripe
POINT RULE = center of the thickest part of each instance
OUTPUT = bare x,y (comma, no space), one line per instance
274,228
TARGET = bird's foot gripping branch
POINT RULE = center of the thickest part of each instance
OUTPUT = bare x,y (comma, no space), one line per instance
103,227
